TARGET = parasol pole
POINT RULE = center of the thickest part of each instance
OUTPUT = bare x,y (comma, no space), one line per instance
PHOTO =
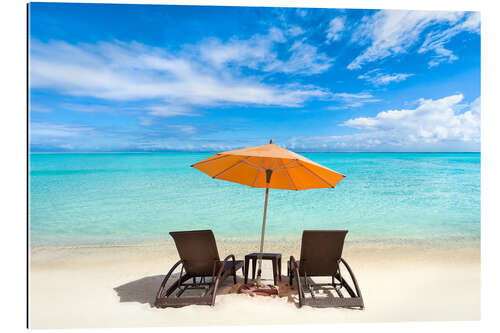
259,271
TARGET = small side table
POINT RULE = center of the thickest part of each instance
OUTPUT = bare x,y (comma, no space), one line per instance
274,257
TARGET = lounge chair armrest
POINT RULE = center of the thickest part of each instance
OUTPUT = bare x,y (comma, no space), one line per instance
353,278
164,283
219,273
293,263
228,257
294,269
221,269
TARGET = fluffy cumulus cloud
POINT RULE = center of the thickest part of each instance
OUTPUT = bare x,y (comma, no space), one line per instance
132,71
444,124
432,121
391,32
378,78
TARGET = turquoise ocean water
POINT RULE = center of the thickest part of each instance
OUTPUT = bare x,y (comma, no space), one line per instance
103,199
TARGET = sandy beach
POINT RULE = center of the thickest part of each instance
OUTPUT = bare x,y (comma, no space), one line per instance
87,287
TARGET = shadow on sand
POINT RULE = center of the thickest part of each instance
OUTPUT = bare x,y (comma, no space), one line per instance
144,290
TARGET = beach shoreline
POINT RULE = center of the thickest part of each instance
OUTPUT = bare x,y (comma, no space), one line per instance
114,286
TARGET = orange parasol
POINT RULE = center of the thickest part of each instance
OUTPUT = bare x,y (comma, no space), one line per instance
268,166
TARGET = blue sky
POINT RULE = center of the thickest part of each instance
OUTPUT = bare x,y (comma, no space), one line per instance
163,78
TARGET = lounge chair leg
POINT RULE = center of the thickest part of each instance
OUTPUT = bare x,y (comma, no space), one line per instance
308,285
246,269
300,291
275,271
279,268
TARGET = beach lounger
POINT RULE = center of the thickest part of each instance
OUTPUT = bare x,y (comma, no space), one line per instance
320,256
199,262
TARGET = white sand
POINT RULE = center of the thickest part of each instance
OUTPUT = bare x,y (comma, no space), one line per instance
116,286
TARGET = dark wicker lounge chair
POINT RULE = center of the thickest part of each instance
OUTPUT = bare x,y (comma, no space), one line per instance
321,255
200,262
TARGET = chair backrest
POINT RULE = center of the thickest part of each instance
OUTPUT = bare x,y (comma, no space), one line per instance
198,250
320,252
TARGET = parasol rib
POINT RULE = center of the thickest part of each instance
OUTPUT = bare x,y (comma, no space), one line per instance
315,175
253,165
213,159
255,180
261,162
285,165
234,165
288,175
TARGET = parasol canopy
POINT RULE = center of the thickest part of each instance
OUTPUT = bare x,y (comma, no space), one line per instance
268,166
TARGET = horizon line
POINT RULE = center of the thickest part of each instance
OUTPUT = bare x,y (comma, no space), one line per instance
210,151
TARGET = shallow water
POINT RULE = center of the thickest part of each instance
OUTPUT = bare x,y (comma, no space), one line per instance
103,199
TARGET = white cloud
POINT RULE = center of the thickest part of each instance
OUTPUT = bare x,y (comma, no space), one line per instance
431,122
88,108
305,59
351,100
184,145
170,110
434,125
133,71
39,108
185,129
436,41
43,130
259,53
392,32
378,78
335,28
145,121
472,23
295,31
301,12
253,52
66,146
